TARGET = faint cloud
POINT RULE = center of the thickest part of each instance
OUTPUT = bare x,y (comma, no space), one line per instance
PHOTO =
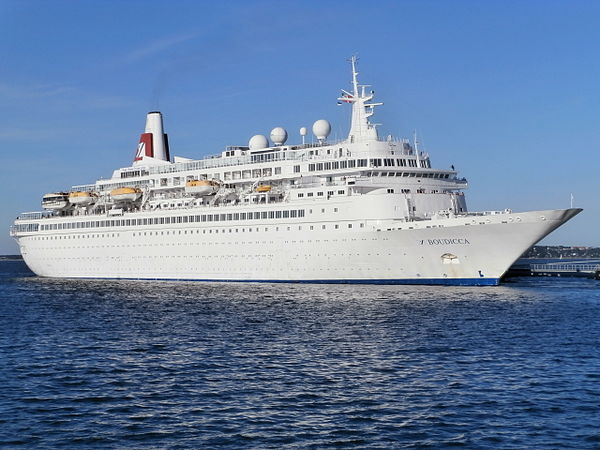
30,134
55,95
35,91
157,46
93,100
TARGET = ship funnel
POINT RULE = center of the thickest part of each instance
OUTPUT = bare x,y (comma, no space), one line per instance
154,143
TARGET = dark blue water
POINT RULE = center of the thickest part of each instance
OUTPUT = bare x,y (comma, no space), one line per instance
180,365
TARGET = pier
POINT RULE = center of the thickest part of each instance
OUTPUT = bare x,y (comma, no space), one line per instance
582,268
575,267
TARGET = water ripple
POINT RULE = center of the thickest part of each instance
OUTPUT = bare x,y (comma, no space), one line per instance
180,365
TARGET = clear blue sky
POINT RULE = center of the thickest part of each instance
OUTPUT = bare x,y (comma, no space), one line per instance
507,91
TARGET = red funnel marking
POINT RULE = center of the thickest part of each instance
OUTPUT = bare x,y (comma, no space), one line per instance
144,147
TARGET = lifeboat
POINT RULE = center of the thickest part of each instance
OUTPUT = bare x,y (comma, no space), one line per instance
55,201
126,194
80,198
201,187
263,188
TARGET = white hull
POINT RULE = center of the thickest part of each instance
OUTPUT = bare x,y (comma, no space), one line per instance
484,247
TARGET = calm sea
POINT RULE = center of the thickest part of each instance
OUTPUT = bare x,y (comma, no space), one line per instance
177,365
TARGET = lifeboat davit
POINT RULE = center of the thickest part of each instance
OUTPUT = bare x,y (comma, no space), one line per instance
263,188
126,194
201,187
55,201
80,198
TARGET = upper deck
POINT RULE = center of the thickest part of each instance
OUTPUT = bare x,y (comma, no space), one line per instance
362,164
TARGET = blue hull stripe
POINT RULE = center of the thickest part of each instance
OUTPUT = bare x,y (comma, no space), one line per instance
421,281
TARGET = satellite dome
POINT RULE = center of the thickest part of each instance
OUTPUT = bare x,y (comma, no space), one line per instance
303,131
321,129
257,142
278,136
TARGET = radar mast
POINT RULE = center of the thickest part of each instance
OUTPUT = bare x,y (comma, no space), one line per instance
361,129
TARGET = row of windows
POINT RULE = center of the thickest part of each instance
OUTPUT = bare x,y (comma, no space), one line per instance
134,173
350,164
294,213
408,174
197,231
254,173
401,162
265,157
25,227
389,191
321,193
373,162
227,176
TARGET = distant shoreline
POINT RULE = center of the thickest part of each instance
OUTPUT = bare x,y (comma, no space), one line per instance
10,257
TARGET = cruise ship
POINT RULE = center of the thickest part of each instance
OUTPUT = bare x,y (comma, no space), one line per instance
366,209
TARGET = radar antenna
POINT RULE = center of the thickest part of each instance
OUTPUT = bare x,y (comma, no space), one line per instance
353,61
416,142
